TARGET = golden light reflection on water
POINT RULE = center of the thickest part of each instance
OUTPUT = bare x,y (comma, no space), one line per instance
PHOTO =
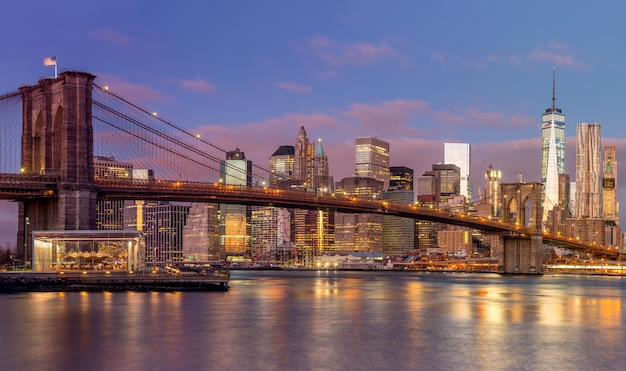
328,321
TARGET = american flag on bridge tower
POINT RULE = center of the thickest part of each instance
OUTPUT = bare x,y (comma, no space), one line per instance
50,61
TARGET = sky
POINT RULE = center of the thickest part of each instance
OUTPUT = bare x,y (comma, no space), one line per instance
246,74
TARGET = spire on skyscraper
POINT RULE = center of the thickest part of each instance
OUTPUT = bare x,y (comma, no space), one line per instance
553,109
319,150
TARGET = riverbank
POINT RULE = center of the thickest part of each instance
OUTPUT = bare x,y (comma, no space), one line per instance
96,281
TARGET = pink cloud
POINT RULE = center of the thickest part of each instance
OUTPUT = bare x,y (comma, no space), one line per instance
520,121
110,36
485,118
478,119
199,85
338,54
132,91
292,87
438,56
260,139
451,60
389,114
490,59
557,53
448,117
515,59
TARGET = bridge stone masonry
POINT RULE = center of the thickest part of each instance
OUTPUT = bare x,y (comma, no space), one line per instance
57,140
57,144
521,253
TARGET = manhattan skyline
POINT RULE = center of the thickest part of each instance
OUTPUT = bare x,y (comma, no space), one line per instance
248,75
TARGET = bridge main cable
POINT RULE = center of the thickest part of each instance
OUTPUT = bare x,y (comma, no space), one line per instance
191,135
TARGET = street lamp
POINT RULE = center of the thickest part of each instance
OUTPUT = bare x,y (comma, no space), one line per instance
26,223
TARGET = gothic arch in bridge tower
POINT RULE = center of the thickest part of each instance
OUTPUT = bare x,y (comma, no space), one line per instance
57,140
522,252
521,194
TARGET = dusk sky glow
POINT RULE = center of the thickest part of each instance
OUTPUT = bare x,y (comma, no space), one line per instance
417,74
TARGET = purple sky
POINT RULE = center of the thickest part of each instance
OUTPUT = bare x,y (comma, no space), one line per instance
247,74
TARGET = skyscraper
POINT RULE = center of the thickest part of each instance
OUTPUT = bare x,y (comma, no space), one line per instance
449,181
281,165
552,153
609,185
372,159
359,232
302,159
399,233
313,229
110,213
492,192
460,154
321,172
163,229
401,178
234,219
588,171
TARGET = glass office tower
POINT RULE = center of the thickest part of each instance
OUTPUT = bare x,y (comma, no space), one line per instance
552,153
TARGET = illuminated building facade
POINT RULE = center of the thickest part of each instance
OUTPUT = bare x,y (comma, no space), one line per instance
609,185
304,152
448,181
359,232
322,182
492,192
110,213
427,195
460,154
401,177
453,240
234,220
612,230
372,159
201,233
270,226
163,229
313,229
398,233
281,165
552,153
589,171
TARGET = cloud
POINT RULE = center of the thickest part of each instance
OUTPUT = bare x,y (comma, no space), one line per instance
448,117
493,119
261,138
199,85
110,36
476,118
558,54
292,87
440,57
520,121
340,54
515,59
452,60
385,116
485,62
132,91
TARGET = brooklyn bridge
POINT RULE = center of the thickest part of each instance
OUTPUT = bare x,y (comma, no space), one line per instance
62,123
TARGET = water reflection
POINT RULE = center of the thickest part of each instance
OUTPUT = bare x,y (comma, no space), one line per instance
326,320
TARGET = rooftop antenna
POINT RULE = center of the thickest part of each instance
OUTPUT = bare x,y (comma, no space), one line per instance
553,88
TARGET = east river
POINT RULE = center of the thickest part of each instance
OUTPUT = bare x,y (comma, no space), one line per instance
293,320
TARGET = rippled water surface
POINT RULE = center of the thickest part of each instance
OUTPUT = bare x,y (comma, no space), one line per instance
281,320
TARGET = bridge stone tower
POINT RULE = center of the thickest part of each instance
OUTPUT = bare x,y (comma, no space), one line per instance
57,139
522,254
